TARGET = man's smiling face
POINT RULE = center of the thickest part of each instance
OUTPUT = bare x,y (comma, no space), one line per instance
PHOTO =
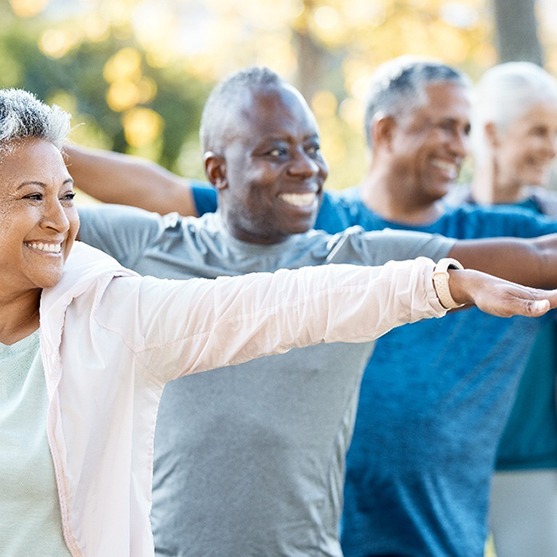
272,170
431,141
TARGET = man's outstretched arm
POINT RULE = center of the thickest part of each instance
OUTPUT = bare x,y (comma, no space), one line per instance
531,261
128,180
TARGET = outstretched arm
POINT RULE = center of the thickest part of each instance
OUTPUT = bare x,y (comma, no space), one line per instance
268,313
127,180
532,262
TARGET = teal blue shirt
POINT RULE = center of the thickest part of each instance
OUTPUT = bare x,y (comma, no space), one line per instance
433,403
529,441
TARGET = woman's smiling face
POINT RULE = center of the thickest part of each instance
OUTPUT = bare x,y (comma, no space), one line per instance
38,218
525,150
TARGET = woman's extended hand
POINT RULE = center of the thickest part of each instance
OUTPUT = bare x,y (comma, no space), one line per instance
499,297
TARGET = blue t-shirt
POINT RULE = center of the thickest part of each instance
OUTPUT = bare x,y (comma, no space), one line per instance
529,440
433,402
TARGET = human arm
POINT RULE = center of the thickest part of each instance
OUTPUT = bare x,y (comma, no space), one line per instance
117,178
531,261
205,324
126,233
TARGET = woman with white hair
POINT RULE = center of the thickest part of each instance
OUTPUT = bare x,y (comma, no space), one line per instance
514,144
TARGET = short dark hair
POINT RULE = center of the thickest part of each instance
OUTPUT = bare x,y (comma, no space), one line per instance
225,95
398,87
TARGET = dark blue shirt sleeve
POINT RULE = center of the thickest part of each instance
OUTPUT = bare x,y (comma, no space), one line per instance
204,197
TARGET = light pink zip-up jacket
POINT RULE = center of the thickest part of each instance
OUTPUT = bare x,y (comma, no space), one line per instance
110,340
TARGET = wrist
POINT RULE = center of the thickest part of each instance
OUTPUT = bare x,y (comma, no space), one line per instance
440,277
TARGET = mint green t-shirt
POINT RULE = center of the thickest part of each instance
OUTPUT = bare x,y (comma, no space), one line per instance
30,524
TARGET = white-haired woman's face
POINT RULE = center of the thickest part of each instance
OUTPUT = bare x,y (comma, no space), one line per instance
525,150
38,219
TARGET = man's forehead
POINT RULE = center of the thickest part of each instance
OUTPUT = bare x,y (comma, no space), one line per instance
447,96
282,94
279,104
447,89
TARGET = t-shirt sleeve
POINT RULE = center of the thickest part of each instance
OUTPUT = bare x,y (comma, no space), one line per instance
505,221
378,247
204,197
120,231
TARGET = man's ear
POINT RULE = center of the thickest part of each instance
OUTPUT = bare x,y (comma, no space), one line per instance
215,169
382,129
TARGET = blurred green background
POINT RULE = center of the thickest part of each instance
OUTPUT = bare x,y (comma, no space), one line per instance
135,74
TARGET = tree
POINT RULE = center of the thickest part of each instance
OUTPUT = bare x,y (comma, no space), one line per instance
127,107
516,31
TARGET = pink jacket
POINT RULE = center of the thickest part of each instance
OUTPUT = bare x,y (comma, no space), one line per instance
110,340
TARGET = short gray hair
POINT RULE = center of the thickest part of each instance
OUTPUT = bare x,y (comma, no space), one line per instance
24,116
398,87
504,93
224,98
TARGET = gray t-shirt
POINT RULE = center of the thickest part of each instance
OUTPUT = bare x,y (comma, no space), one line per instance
249,459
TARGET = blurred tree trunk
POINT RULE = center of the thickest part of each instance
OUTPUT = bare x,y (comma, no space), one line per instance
311,56
311,61
516,31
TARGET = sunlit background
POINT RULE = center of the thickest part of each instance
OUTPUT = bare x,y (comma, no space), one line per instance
135,73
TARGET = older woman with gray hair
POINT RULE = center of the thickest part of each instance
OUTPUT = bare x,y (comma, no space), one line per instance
514,143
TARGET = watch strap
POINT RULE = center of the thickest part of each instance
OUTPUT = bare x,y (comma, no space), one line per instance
440,278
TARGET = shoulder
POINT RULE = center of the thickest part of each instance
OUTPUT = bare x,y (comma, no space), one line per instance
332,216
342,209
108,214
545,199
85,267
503,220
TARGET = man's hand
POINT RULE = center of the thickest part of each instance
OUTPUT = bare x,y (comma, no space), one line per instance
499,297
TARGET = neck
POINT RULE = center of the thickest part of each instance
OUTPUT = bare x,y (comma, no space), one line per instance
19,316
489,189
384,195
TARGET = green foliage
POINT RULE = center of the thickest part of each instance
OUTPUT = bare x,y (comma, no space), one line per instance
321,46
76,82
